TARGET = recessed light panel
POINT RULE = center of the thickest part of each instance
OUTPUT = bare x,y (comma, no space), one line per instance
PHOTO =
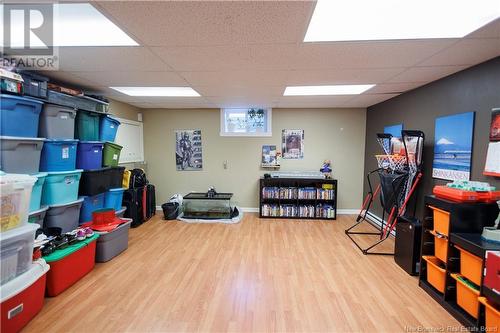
158,91
398,19
349,89
73,24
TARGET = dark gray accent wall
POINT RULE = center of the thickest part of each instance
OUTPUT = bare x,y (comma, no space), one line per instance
474,89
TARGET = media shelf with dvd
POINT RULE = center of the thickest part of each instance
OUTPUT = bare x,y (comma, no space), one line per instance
298,198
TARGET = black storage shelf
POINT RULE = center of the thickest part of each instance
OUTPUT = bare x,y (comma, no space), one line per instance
297,183
466,223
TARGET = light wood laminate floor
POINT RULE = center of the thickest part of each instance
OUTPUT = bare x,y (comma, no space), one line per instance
256,276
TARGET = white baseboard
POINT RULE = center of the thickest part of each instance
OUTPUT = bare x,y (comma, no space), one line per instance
250,209
256,210
347,211
377,221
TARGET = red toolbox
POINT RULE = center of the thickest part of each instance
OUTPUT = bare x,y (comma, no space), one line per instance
22,297
69,265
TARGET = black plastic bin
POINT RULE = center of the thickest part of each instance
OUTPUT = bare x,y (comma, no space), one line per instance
35,85
94,182
115,176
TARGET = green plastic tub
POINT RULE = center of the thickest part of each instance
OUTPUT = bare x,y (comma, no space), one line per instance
87,126
111,154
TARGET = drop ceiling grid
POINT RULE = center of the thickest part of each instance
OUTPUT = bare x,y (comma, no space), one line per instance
234,58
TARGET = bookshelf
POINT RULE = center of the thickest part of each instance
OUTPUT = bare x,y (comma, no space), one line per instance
298,198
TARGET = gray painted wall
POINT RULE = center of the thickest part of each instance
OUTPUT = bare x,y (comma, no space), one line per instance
474,89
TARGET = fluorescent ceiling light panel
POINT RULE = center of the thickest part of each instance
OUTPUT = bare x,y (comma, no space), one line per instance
348,89
158,91
75,24
398,19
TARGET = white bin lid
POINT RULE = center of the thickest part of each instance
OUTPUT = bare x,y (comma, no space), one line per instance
25,280
13,178
26,228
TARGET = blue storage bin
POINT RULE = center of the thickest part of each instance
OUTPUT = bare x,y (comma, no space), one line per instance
89,155
113,198
19,116
36,192
107,129
91,204
58,155
61,187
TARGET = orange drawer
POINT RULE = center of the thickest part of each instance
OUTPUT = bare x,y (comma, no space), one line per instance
441,221
470,266
436,274
467,297
492,314
440,246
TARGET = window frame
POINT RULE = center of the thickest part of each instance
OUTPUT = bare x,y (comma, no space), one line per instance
267,119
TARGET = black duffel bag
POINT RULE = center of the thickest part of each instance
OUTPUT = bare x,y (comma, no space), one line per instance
170,210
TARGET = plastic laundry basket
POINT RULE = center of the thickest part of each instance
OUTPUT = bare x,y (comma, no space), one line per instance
58,155
113,198
87,126
20,155
89,205
89,155
38,216
36,193
57,122
108,128
19,116
15,194
61,187
65,216
111,154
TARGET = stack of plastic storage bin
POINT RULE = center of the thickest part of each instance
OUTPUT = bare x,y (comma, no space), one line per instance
22,281
58,160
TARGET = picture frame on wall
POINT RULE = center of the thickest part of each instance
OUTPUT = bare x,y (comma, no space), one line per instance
293,144
453,146
188,150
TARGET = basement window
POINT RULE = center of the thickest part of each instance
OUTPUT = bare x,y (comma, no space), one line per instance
245,122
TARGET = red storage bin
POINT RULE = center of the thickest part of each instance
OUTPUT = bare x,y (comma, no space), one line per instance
69,265
22,297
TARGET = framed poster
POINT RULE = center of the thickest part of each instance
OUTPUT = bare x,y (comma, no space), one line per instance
269,156
293,144
453,146
492,165
188,150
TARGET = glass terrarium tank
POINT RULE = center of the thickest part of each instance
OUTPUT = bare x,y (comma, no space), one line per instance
202,206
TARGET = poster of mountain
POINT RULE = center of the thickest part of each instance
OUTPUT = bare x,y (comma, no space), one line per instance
188,150
453,146
293,144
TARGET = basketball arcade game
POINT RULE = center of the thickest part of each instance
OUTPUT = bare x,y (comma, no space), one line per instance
400,171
